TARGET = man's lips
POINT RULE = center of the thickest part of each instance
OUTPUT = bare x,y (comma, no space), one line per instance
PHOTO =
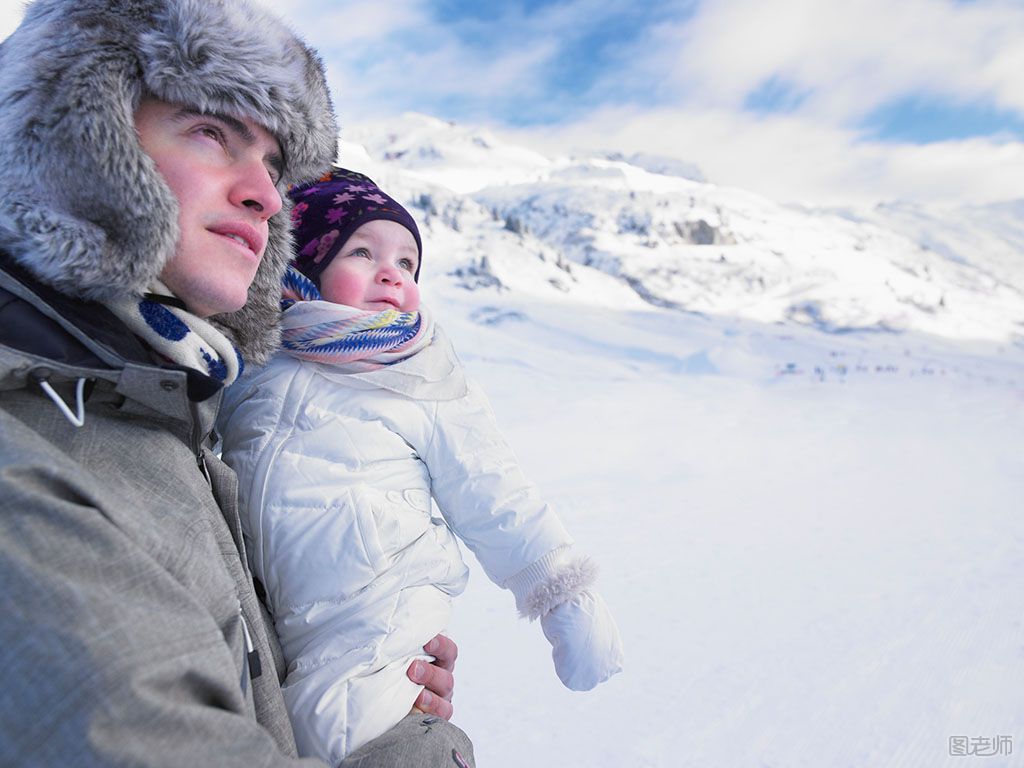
243,234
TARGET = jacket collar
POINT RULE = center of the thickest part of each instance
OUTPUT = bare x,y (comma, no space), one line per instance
46,335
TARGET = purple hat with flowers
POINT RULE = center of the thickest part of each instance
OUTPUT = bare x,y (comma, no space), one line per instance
327,211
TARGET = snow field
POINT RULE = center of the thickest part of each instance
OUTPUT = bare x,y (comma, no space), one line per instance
805,572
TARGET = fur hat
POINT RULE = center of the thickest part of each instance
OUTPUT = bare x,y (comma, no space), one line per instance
327,212
82,207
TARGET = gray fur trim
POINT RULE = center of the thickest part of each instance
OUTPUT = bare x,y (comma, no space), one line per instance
567,582
82,207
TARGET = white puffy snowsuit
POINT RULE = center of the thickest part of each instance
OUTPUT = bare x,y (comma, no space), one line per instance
336,474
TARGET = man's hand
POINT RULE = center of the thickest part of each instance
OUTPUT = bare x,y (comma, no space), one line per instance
439,682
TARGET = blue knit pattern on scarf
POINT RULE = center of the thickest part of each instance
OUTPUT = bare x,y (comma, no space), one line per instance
295,286
162,320
167,325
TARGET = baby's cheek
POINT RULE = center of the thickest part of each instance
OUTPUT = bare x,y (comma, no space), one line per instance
412,298
342,284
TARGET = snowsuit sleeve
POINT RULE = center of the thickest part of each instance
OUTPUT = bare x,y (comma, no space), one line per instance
483,493
520,541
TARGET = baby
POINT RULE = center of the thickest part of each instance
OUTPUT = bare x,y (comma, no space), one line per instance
339,444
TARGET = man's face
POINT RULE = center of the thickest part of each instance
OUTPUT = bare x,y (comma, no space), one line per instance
223,172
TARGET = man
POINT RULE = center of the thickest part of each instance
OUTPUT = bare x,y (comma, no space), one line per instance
144,148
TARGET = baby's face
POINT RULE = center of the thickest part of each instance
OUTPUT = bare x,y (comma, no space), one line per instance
374,269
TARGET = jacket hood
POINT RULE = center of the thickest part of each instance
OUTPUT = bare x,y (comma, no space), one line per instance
82,207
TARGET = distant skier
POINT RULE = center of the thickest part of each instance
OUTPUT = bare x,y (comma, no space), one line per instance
341,441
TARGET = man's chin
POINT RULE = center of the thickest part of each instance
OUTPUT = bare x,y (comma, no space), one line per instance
208,306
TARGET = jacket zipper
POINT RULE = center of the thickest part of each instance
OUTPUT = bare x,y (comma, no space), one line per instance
252,667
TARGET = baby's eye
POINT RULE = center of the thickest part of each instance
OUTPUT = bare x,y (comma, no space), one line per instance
361,252
407,265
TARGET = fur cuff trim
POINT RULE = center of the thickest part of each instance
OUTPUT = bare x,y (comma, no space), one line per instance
562,584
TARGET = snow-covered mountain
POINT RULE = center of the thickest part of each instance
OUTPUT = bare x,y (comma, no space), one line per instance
510,216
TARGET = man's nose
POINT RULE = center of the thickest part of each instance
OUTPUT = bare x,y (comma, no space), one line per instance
255,190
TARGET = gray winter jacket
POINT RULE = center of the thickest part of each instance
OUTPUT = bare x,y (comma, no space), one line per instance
126,599
126,611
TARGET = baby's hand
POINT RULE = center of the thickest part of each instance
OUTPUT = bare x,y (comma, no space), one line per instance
585,642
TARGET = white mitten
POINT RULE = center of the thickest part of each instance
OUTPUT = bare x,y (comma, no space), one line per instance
585,642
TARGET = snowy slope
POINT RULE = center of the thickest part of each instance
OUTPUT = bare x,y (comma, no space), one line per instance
811,539
809,567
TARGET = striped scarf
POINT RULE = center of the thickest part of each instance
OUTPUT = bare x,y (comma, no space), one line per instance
352,340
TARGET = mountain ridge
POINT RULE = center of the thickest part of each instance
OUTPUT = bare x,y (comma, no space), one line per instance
503,214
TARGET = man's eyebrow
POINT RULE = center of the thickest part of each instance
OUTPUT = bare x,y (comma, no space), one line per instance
274,159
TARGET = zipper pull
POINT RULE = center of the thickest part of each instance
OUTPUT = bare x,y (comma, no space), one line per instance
252,656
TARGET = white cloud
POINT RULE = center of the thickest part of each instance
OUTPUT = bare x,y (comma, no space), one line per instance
680,86
329,24
384,59
793,158
847,57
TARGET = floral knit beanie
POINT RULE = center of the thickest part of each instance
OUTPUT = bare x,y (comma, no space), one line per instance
326,213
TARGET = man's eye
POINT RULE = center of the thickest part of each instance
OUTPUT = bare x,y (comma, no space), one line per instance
212,132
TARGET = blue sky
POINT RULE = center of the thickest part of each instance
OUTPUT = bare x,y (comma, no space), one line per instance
818,100
599,39
585,45
922,119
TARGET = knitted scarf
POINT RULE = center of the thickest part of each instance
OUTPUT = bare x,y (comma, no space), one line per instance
349,339
178,335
